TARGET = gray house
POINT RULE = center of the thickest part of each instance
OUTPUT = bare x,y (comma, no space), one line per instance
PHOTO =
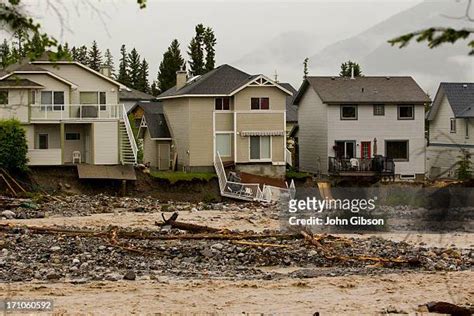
451,124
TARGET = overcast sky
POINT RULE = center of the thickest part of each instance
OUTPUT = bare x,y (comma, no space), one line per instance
240,26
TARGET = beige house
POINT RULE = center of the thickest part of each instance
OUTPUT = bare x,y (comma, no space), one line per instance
240,116
451,127
71,113
364,126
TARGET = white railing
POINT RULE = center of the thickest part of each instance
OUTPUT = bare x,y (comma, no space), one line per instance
289,159
44,157
131,137
250,191
75,111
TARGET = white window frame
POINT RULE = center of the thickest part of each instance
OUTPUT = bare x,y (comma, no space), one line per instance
102,106
52,105
229,135
260,159
452,125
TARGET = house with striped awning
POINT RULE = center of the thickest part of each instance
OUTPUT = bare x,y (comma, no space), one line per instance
227,111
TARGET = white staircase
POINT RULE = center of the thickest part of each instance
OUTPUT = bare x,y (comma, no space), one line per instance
128,146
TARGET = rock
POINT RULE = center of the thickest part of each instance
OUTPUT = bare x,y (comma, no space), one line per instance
130,275
217,246
113,277
8,214
76,261
55,248
53,276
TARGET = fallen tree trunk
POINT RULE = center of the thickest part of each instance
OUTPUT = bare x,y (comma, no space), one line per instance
194,228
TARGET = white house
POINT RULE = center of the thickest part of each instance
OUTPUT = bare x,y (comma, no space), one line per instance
70,112
362,126
451,127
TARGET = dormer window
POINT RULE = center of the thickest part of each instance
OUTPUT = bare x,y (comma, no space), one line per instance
222,104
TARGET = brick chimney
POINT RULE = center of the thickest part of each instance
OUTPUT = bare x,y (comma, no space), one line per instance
181,79
106,71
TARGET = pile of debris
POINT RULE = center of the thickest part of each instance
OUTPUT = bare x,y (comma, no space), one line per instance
187,250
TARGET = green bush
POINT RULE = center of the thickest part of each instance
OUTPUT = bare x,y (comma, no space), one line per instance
13,146
464,171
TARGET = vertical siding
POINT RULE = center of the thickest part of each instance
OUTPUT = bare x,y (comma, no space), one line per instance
178,119
312,133
106,149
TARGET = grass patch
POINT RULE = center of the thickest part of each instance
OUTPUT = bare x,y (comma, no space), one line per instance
290,174
176,176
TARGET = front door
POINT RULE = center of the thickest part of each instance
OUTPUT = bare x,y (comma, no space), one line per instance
365,150
163,156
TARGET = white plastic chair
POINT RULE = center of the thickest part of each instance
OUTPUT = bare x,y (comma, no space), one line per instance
76,156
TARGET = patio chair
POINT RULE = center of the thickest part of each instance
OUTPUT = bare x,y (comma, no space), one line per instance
76,156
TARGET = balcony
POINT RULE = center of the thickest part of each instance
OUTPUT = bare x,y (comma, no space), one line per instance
75,112
45,157
377,166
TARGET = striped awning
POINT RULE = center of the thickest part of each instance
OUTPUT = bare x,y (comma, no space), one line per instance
262,133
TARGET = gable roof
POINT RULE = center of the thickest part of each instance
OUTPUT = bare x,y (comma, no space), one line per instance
133,94
460,97
19,83
291,110
221,81
364,90
155,120
37,71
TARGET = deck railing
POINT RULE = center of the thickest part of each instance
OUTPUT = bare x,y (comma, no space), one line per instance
75,111
377,165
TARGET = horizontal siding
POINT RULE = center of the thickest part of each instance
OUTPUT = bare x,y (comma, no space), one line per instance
276,96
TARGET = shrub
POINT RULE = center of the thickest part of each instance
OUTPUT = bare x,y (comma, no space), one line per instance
464,171
13,146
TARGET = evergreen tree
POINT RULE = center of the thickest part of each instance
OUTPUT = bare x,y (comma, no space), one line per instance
154,91
305,67
210,41
123,75
95,57
142,83
20,38
346,69
109,61
5,57
171,63
134,66
66,50
74,53
196,53
82,55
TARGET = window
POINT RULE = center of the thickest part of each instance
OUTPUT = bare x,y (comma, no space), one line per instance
452,125
379,110
73,136
406,112
93,98
3,96
348,112
52,100
345,149
223,144
43,141
260,148
222,104
102,101
397,149
260,103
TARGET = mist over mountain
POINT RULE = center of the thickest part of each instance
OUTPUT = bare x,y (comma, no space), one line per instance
371,50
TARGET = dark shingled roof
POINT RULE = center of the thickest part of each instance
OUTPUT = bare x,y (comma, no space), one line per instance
365,90
134,95
460,96
291,110
24,67
155,119
221,80
19,83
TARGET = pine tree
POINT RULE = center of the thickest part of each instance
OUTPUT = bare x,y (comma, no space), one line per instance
20,38
123,75
305,67
109,61
81,55
74,53
142,83
346,69
95,57
5,57
154,89
196,53
134,66
210,41
171,63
